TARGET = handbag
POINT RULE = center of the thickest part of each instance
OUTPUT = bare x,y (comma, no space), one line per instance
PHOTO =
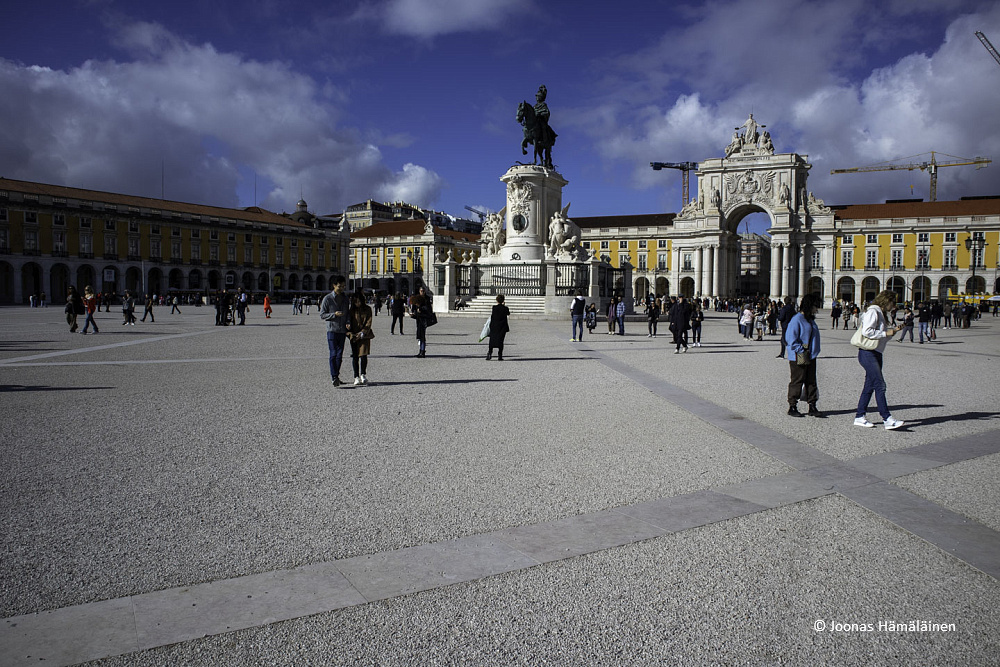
432,320
802,358
861,341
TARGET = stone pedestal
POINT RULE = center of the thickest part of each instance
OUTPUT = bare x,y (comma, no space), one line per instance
534,194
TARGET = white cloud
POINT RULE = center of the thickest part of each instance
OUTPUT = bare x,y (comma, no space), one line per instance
430,18
206,115
414,185
805,78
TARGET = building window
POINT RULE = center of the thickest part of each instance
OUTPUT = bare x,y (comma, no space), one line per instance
231,253
175,249
109,225
85,223
922,257
661,261
642,245
232,237
871,259
661,243
59,219
59,241
373,265
263,240
623,245
924,237
817,260
133,226
248,254
847,259
280,241
133,246
196,233
154,229
110,244
872,238
175,231
402,264
154,248
391,268
605,245
642,260
897,258
322,260
949,237
213,253
30,217
686,262
3,215
979,235
897,238
295,257
352,266
30,240
848,239
195,252
949,258
213,235
4,240
279,256
248,238
86,244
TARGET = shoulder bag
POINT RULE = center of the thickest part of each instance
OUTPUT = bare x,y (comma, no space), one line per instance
803,358
863,342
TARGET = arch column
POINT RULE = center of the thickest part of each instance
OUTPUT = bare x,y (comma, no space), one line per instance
711,272
697,271
802,270
776,259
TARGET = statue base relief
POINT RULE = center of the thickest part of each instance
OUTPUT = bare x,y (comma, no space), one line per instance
534,195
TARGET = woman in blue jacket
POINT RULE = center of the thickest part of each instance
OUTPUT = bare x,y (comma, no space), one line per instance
802,335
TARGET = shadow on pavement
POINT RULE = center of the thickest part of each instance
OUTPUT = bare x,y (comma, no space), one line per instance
22,387
469,381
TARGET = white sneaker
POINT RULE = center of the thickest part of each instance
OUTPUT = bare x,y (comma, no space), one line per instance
861,421
364,379
357,381
677,351
892,424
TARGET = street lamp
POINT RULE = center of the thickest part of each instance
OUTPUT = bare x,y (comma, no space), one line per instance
923,265
974,246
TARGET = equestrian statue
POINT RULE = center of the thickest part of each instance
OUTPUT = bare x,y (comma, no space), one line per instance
535,121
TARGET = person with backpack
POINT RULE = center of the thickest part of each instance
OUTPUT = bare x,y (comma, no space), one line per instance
90,305
576,312
74,307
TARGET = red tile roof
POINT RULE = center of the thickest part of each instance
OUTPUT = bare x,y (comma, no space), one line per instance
409,228
646,220
924,209
251,214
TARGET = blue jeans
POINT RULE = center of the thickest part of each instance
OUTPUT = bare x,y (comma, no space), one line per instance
871,361
621,325
577,321
336,343
925,330
89,321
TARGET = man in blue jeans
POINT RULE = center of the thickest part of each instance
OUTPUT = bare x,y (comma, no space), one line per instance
334,310
620,316
925,316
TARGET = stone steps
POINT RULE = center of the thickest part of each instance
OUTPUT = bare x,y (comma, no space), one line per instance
520,307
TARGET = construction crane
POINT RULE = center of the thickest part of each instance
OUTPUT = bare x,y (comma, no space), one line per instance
478,211
930,166
685,167
989,47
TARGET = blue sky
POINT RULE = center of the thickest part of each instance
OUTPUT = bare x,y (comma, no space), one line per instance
415,99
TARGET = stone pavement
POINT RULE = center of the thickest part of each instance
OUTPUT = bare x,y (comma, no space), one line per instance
180,493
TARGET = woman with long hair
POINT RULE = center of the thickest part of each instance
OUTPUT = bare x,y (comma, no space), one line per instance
359,331
802,348
873,325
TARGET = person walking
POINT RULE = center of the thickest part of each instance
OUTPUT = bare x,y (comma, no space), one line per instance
907,325
499,328
873,325
652,316
147,310
128,309
612,315
802,338
90,305
422,309
334,311
175,305
785,315
267,307
241,305
576,312
620,316
835,314
74,307
697,317
746,322
924,317
359,331
679,318
397,308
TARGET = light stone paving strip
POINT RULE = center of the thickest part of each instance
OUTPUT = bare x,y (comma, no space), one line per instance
126,625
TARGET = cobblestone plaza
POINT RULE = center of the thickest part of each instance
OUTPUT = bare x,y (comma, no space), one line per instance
180,493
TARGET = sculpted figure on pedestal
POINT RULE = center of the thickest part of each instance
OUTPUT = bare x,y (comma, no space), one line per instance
535,121
493,236
564,237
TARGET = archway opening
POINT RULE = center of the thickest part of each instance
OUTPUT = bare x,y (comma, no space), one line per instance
753,257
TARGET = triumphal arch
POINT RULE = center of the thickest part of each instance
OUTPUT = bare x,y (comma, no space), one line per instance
752,178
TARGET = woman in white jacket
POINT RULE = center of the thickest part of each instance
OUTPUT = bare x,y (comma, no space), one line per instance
873,325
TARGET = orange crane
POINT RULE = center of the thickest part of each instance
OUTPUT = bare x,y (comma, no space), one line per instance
930,166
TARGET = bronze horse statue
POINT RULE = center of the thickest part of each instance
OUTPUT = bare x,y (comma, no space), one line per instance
537,133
